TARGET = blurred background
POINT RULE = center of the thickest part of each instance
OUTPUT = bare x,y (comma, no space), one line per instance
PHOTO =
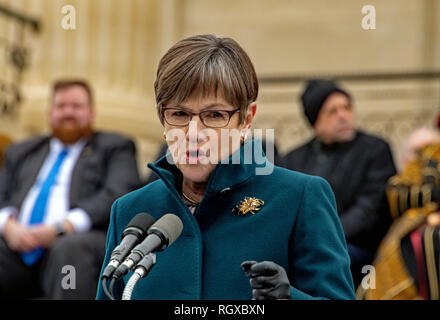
393,71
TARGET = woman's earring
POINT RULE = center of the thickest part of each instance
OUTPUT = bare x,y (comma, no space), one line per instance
164,135
245,133
243,137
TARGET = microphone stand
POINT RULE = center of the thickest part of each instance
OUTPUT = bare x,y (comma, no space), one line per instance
141,270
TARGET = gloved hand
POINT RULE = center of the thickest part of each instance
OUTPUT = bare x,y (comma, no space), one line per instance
268,280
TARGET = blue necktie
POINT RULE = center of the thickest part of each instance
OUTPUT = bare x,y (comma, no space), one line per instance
39,209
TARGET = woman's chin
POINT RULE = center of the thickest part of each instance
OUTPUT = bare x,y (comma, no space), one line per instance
198,173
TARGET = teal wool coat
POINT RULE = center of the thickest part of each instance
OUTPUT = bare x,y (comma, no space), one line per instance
297,228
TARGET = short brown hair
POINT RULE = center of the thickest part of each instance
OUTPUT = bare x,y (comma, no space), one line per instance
206,64
67,83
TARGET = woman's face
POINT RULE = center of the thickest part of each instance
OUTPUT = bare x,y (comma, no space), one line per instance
197,147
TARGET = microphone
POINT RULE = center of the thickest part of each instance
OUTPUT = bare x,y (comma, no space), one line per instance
134,232
159,237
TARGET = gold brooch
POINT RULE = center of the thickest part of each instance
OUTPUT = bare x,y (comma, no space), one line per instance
249,204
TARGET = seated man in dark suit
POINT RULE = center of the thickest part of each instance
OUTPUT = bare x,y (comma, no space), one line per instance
56,192
357,166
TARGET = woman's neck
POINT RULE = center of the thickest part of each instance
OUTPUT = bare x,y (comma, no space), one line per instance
194,190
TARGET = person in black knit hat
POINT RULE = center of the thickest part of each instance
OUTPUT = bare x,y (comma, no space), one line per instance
313,97
356,164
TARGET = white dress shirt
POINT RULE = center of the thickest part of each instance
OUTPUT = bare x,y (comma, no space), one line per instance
57,209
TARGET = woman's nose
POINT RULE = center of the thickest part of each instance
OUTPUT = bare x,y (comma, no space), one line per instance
195,126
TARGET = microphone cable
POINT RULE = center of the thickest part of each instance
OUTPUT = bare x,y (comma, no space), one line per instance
112,283
104,287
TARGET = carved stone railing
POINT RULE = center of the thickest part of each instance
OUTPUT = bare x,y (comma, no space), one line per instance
15,55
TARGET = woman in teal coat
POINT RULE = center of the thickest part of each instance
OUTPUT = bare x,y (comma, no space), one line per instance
251,230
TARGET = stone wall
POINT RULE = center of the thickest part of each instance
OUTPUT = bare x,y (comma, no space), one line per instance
117,45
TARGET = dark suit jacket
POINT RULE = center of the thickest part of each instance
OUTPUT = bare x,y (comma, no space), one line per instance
357,172
105,170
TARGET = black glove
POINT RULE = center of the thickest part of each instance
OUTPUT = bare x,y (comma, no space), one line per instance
268,280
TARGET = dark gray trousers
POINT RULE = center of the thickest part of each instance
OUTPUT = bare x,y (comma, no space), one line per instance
68,270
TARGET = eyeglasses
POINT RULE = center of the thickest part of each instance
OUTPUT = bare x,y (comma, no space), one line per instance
210,118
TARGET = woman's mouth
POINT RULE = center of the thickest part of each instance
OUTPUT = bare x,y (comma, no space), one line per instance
194,156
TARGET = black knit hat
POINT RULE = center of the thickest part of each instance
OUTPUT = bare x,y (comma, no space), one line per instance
314,95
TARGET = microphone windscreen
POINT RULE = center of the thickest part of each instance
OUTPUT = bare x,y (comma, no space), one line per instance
172,225
142,221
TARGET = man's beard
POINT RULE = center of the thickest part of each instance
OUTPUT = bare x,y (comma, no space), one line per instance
71,134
